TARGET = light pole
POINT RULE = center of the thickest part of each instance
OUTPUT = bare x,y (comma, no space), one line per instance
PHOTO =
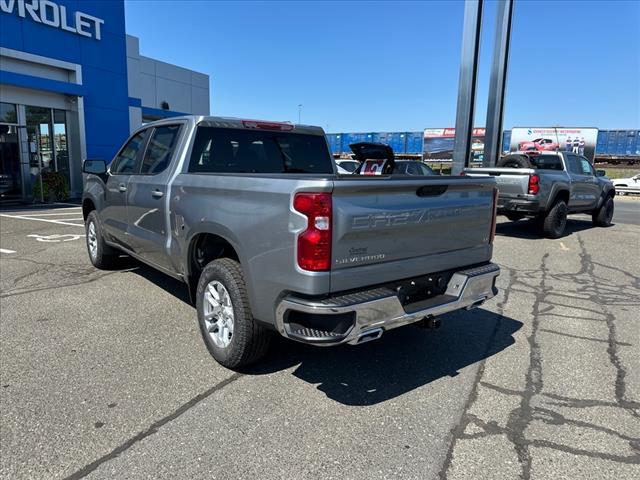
299,112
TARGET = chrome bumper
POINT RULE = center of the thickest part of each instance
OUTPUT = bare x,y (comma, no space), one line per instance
379,309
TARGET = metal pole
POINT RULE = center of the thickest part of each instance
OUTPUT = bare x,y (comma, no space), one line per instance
498,83
467,84
299,112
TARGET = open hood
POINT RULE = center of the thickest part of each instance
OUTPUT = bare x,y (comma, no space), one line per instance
372,151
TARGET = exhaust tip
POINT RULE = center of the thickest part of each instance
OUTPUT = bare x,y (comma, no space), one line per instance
370,335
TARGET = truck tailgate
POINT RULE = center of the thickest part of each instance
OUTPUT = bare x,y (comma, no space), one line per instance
386,229
510,181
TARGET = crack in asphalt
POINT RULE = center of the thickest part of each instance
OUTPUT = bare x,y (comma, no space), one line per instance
458,431
621,373
521,417
591,287
153,428
64,272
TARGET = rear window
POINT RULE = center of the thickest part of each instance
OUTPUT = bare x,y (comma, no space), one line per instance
546,162
217,150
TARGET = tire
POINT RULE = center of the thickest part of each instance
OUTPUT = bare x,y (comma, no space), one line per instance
248,341
555,220
101,255
514,217
602,216
514,161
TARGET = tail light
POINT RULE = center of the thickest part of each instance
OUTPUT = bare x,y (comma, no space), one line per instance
262,125
495,215
534,184
314,244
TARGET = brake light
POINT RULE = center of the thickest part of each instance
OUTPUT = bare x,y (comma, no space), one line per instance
261,125
534,184
495,215
314,244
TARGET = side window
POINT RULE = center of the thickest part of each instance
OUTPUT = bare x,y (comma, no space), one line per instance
125,162
587,169
574,164
160,149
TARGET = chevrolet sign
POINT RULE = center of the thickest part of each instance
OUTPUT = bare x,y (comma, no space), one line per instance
54,15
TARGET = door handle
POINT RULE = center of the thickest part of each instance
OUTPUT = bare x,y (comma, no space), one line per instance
157,194
122,187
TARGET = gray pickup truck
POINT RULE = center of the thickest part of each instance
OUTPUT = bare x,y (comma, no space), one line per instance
253,218
548,186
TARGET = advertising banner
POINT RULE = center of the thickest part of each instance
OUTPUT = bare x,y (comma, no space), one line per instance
438,143
578,140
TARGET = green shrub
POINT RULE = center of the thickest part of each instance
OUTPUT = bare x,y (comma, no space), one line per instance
54,187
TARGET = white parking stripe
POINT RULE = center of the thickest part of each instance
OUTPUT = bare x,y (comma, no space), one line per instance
59,222
4,250
49,214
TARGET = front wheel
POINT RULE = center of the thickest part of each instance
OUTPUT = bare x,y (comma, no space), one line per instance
603,216
102,256
231,334
555,220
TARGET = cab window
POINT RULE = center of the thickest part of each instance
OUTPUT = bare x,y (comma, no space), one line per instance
160,149
125,162
587,169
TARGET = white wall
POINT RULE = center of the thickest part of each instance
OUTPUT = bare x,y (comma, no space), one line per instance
154,82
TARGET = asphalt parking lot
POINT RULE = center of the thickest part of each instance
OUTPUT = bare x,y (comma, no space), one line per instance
104,374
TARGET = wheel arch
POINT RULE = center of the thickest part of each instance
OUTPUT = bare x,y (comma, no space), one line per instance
203,247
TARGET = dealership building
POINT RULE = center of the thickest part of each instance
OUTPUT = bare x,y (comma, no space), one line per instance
73,85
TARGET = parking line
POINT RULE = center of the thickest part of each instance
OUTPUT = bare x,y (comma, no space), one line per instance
49,214
59,222
4,250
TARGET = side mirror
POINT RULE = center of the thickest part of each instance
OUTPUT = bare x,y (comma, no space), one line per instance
601,173
95,167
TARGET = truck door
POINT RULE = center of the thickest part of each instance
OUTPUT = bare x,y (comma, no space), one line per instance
114,215
580,198
147,196
592,188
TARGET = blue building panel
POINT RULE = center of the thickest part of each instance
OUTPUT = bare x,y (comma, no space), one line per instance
102,62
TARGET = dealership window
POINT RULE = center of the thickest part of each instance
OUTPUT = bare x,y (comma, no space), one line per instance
10,177
8,113
48,143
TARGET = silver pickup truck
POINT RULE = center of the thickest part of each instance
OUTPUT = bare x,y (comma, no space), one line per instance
252,217
548,186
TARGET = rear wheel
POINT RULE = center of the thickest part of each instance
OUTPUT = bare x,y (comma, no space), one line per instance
603,216
555,220
231,334
102,256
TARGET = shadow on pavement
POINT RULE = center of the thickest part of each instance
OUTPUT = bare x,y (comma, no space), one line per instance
401,361
531,229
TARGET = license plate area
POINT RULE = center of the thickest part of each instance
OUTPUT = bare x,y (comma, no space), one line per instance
421,288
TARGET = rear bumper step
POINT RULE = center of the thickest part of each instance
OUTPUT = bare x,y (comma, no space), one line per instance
372,312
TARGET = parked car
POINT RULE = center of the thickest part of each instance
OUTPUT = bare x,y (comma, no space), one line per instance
348,165
627,185
539,144
252,217
368,151
412,167
548,187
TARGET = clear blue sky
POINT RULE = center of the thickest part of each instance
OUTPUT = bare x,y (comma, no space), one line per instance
393,66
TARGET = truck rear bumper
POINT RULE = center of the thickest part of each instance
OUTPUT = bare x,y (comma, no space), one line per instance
364,315
518,205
